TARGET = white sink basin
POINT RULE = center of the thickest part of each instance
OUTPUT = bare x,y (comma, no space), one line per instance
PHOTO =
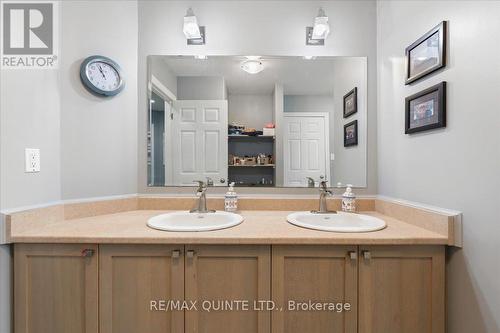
186,221
339,222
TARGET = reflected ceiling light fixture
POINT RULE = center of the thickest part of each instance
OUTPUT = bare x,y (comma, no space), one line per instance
201,57
317,34
194,33
252,65
309,57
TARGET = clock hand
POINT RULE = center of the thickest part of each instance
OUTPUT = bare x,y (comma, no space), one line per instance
100,70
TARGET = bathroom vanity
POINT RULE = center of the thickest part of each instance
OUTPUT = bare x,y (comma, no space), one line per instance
109,288
105,273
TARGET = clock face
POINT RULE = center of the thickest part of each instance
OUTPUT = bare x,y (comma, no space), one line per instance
101,76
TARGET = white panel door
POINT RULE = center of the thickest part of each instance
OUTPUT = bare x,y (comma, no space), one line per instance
199,138
306,148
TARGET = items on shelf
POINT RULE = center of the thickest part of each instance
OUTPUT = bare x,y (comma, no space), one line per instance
241,130
262,182
269,129
235,129
261,159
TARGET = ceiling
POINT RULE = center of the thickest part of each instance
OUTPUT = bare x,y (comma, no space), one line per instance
298,76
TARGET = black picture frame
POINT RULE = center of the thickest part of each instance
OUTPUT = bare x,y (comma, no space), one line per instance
432,115
433,63
354,95
351,141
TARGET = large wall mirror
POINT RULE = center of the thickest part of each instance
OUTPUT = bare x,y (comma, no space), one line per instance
257,121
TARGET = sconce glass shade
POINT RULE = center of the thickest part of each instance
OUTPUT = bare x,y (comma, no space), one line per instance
191,28
321,28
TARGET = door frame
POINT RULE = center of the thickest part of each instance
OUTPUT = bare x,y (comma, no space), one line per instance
168,97
326,116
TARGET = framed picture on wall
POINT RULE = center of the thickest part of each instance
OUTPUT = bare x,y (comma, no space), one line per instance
351,102
426,110
351,134
427,54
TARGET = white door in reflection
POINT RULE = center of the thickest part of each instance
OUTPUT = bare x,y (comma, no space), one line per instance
199,141
306,148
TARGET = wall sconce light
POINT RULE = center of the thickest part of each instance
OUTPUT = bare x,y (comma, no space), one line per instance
194,33
317,34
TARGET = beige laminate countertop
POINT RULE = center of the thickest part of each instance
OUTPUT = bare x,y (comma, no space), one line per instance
259,227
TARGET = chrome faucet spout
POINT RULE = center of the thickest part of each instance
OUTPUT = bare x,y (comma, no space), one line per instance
201,204
323,193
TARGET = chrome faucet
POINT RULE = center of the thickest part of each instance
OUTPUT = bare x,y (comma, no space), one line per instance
201,205
323,193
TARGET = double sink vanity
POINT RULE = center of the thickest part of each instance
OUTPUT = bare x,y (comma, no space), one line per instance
99,267
203,219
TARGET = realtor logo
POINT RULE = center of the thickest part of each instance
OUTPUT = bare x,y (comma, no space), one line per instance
28,35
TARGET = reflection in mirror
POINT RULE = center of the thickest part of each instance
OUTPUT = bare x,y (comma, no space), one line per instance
257,121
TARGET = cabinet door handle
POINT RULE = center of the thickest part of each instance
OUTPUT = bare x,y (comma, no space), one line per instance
353,255
190,254
176,254
367,255
87,253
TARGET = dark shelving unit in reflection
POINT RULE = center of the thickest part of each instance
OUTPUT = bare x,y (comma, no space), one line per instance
252,175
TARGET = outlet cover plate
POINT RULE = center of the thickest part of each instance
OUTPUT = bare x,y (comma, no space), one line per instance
32,160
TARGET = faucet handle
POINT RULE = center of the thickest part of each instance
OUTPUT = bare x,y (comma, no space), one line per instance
310,182
323,188
201,185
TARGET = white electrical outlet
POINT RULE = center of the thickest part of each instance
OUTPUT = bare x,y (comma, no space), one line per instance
32,160
332,157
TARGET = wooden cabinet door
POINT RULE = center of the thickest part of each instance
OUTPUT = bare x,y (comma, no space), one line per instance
132,279
227,273
316,274
55,288
402,289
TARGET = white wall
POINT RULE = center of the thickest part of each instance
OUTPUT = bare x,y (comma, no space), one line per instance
350,164
29,123
98,135
252,27
308,103
201,87
159,68
250,110
457,167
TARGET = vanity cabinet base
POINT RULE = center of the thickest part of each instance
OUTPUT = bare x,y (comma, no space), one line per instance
401,289
61,288
55,288
134,282
315,276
